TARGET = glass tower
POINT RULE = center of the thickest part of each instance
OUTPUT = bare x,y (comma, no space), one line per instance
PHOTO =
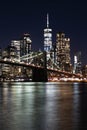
77,63
25,44
47,37
63,51
16,43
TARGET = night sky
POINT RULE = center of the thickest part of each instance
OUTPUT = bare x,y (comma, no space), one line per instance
19,17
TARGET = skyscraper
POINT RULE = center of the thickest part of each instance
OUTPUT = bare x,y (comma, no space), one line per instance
9,54
0,59
47,38
63,51
77,63
16,43
25,44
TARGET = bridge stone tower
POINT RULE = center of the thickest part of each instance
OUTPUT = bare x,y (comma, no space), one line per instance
40,74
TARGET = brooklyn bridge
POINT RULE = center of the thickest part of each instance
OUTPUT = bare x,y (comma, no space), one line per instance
35,67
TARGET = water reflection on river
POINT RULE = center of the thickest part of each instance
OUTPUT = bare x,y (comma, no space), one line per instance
43,106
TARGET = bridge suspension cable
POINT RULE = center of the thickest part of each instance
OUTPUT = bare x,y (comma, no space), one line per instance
30,56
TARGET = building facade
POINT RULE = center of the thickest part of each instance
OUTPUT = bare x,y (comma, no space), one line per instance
47,39
9,54
77,63
16,44
25,47
84,71
63,52
25,44
0,64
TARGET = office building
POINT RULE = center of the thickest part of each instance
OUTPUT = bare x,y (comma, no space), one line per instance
16,44
47,39
84,71
0,64
25,44
63,52
9,54
77,63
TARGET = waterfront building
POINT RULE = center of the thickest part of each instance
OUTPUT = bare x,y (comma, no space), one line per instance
8,54
84,71
77,63
63,52
53,53
25,47
0,64
16,44
25,44
0,53
47,39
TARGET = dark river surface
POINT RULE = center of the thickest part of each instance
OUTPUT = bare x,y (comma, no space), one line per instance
43,106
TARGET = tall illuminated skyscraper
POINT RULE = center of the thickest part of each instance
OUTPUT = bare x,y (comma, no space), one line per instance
77,63
63,51
16,43
25,44
47,38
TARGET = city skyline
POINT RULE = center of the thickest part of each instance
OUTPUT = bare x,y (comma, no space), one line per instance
25,17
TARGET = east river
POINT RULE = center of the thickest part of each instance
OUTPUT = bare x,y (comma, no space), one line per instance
43,106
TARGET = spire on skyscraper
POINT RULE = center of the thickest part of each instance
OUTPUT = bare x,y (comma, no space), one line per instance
47,20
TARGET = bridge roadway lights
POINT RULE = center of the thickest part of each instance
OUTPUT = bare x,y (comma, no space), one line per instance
39,75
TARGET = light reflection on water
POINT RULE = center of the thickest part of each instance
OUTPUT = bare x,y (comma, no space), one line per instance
43,106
